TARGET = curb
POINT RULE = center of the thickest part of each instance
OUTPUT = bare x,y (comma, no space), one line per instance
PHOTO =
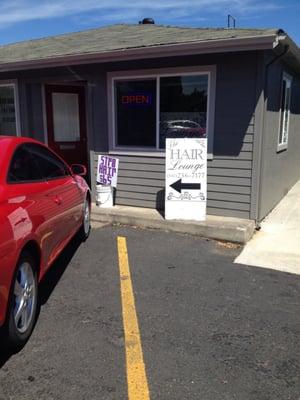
220,228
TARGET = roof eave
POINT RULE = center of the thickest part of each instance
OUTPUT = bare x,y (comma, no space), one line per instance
292,56
201,47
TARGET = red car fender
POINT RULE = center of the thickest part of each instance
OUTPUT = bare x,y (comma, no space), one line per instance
8,257
10,251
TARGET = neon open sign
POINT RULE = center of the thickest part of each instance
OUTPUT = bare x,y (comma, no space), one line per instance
137,99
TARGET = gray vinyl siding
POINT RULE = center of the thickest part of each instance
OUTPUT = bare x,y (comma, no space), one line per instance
141,179
34,103
141,183
31,110
280,170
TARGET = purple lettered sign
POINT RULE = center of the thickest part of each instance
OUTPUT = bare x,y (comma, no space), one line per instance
107,170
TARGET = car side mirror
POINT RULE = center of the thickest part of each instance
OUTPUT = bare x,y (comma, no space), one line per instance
78,169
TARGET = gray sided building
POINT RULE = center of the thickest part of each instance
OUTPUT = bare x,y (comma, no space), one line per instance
122,89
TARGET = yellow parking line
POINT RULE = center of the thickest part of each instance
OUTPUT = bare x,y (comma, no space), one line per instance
136,374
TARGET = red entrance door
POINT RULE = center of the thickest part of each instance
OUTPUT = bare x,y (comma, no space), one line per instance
66,122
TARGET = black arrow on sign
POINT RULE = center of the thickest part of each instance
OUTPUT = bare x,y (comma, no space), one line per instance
178,186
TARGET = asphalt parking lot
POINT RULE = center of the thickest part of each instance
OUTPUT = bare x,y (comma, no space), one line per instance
208,329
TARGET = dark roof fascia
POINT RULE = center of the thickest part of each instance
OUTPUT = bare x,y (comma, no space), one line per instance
183,49
292,57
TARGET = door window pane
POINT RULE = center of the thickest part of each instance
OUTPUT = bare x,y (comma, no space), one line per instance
23,168
136,113
66,124
51,167
7,111
183,107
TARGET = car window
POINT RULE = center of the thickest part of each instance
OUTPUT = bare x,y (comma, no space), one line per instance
51,166
22,167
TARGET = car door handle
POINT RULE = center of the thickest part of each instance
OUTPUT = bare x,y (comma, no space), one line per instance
57,200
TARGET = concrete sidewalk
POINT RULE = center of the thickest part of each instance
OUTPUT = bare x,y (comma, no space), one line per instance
220,228
277,244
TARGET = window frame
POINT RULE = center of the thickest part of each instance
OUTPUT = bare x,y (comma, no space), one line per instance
283,145
14,85
209,70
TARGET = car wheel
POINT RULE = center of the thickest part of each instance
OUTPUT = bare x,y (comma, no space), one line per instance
86,224
23,302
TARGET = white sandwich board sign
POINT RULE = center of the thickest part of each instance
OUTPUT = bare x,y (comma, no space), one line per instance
186,179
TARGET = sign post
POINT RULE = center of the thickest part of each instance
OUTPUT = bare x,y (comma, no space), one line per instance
186,179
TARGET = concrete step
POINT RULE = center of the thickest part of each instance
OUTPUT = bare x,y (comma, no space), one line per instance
221,228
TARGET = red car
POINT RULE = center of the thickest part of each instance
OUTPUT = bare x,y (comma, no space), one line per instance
43,204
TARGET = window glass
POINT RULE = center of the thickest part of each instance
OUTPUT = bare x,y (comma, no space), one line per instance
66,124
136,113
51,167
284,110
22,167
183,107
147,111
7,111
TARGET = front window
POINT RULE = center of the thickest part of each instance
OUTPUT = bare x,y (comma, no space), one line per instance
284,112
183,107
150,109
8,120
136,113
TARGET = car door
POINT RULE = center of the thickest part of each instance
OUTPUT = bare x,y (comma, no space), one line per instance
29,210
63,192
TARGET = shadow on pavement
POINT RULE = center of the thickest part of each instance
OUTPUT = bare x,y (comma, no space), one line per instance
4,357
57,270
46,287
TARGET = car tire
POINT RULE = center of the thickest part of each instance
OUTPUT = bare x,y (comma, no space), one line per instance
86,221
23,304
